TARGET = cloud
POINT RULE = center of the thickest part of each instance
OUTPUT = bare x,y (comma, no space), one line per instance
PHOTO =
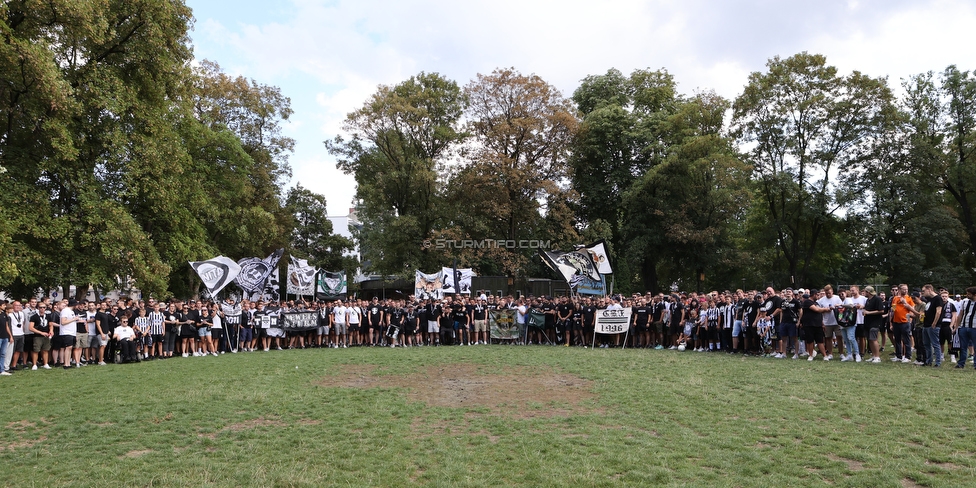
330,56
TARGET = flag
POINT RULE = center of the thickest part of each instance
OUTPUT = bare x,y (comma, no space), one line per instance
216,273
427,286
331,285
255,272
598,251
574,266
464,280
301,277
536,319
272,289
502,324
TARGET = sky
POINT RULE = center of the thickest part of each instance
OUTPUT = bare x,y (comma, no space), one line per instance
329,56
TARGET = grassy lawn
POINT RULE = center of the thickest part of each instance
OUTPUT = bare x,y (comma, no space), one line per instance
488,416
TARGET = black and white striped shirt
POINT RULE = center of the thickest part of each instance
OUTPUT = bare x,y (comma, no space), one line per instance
967,314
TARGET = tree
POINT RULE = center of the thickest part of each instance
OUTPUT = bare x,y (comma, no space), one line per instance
397,140
804,123
312,235
681,213
619,141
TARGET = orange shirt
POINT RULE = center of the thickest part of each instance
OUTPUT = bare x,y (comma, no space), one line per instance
899,310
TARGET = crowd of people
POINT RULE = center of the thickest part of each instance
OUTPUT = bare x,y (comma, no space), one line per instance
804,323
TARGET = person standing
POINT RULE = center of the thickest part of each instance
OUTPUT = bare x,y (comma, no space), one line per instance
788,315
5,335
931,326
874,319
832,303
965,325
41,328
902,312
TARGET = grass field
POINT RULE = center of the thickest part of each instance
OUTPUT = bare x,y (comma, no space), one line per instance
488,416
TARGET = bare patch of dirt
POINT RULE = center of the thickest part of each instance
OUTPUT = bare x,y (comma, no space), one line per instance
137,453
20,425
944,465
517,393
907,483
22,444
804,400
851,464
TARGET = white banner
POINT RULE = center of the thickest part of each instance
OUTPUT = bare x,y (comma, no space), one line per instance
216,273
301,277
612,321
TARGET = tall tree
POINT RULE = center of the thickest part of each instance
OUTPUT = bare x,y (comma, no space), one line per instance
397,140
312,235
804,122
619,140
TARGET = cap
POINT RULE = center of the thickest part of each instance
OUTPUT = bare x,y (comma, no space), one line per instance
869,289
72,302
806,295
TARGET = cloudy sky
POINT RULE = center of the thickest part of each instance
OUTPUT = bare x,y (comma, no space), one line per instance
329,56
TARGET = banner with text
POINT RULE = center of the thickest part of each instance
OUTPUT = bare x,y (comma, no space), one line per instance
299,320
612,321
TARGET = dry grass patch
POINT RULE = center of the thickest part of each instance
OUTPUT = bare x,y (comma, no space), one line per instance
851,464
518,393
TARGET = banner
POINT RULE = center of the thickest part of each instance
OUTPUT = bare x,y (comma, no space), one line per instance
301,277
216,273
299,320
255,272
589,287
612,321
536,319
329,285
502,325
428,286
573,266
598,251
447,280
272,287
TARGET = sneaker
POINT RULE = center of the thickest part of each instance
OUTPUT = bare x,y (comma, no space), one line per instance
875,360
672,348
186,355
829,357
46,366
952,358
343,346
658,347
796,357
34,368
215,354
857,358
67,367
811,357
6,373
918,363
845,359
959,366
896,359
102,363
906,360
279,348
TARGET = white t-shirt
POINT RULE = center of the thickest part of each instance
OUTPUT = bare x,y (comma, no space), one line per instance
68,326
860,300
521,314
215,321
124,332
90,319
339,315
354,315
17,320
829,318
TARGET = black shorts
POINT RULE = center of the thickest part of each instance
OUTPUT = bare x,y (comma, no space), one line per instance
860,331
641,328
67,341
813,334
675,328
18,344
354,328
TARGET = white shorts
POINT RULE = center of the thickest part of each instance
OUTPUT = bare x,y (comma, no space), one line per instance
433,327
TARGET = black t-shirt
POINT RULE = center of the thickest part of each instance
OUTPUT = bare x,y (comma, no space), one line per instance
40,323
930,307
480,312
460,315
642,314
751,312
550,317
373,313
676,313
873,321
810,318
396,316
771,305
564,310
589,315
658,311
790,311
